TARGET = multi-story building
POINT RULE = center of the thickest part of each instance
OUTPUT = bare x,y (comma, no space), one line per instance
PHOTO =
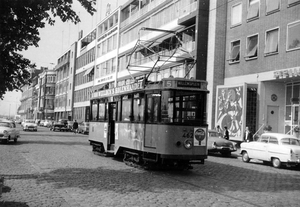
47,79
29,98
64,87
262,66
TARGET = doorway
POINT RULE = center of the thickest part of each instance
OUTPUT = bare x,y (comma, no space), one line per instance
112,114
273,117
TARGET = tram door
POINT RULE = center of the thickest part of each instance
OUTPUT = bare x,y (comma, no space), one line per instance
112,113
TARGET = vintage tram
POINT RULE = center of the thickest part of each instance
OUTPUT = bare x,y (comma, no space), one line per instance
153,124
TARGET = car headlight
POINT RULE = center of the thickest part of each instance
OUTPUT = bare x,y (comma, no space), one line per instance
188,143
5,133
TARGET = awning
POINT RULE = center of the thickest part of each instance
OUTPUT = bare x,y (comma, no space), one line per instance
88,71
100,87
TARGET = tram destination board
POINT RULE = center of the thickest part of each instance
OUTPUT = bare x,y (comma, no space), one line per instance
185,84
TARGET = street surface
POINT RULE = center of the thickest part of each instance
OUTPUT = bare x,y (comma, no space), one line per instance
58,169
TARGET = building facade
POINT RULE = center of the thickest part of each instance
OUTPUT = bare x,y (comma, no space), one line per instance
64,86
261,70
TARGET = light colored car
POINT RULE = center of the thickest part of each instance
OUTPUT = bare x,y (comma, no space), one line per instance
47,123
217,144
83,127
276,148
29,124
8,132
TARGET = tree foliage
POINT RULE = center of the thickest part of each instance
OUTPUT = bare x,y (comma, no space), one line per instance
19,24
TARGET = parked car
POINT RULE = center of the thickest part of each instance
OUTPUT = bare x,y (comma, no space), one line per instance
47,123
70,125
83,127
58,126
279,149
8,131
29,124
217,144
63,121
41,123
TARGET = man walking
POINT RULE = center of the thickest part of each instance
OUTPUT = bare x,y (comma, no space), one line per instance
75,127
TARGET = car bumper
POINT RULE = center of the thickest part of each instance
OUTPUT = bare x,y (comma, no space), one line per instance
222,149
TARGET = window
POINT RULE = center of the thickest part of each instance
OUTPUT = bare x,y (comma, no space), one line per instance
272,6
272,38
253,9
138,107
236,14
126,108
153,105
252,46
94,110
273,140
235,51
293,2
293,36
101,111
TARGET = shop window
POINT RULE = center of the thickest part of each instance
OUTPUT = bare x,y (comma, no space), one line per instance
235,52
272,6
253,9
293,36
272,38
236,14
252,47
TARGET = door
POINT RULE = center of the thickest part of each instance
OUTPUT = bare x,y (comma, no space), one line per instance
112,113
273,117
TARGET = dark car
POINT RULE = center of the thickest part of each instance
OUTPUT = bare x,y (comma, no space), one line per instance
63,121
58,126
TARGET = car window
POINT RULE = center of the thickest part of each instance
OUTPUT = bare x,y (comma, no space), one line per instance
5,124
29,121
273,140
213,134
290,141
264,139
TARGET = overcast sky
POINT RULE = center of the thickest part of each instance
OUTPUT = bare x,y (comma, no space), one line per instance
55,40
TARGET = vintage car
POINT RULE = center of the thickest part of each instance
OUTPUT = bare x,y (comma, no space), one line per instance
29,124
83,127
58,126
8,132
276,148
217,144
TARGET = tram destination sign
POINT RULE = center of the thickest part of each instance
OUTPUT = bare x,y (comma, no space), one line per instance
185,84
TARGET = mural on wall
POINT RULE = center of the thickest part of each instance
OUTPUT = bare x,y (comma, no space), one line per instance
230,109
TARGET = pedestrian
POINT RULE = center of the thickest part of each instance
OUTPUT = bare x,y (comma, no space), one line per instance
248,136
75,127
219,130
226,133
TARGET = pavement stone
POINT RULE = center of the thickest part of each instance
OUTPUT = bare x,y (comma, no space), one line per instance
58,169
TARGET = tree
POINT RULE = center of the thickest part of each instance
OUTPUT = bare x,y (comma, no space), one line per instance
19,24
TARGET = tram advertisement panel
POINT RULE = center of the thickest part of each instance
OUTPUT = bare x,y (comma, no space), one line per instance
230,109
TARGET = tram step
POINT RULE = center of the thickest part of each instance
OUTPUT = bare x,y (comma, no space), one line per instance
110,153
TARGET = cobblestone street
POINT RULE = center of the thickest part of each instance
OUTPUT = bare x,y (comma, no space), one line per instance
58,169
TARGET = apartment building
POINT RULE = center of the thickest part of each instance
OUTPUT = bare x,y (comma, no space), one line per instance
262,66
64,86
45,104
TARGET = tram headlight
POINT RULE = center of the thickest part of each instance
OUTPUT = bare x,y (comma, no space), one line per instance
188,143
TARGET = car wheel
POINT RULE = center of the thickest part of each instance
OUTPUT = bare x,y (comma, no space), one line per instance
245,157
276,162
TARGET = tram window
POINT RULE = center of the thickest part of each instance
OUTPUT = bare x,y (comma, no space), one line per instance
138,109
126,108
153,108
101,113
94,111
167,106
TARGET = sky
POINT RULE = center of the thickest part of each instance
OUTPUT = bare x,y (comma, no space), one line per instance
55,40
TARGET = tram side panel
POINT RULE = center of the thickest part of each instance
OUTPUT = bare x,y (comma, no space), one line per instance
161,139
98,133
